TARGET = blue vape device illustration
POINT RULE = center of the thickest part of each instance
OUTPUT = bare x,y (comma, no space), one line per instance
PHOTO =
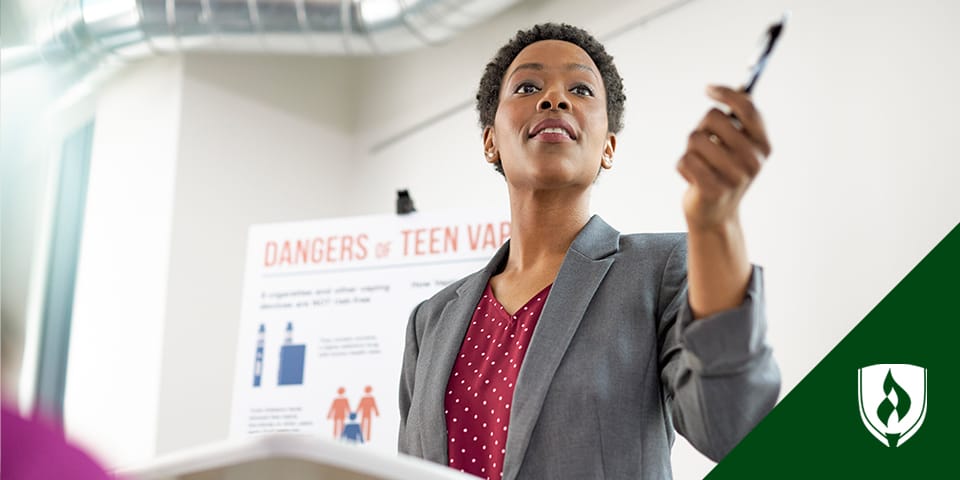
291,360
258,363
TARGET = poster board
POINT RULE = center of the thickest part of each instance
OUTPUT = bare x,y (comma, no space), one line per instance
325,307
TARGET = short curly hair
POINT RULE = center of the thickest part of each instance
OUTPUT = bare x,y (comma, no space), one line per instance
488,94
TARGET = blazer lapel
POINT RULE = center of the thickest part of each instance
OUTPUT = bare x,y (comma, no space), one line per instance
452,327
584,267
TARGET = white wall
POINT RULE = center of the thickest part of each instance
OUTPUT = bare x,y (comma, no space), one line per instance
113,388
857,99
262,139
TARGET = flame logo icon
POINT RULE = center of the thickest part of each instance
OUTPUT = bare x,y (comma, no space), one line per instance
887,407
889,412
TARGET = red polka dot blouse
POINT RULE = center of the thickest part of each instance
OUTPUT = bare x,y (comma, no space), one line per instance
477,403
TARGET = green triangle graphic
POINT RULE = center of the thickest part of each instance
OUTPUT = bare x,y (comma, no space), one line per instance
816,430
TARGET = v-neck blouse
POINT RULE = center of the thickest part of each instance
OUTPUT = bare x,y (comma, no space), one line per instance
480,389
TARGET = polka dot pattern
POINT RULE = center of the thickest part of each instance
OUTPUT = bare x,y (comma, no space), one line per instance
480,389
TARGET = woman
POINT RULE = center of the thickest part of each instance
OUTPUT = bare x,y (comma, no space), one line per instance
577,351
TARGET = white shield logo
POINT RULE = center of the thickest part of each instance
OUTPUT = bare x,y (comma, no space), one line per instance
893,401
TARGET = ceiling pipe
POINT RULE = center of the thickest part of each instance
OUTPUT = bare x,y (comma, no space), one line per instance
82,34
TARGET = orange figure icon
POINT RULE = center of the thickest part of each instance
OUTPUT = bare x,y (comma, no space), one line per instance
339,410
367,407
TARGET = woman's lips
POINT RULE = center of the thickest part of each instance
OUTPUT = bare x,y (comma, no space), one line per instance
551,136
553,130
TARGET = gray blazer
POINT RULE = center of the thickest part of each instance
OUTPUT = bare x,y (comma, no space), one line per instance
615,363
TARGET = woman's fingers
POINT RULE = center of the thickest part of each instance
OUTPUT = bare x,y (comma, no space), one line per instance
698,172
720,130
723,156
709,147
747,114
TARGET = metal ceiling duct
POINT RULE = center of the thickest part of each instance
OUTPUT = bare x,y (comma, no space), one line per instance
91,30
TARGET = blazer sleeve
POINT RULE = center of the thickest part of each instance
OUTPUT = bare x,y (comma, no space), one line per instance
411,352
718,375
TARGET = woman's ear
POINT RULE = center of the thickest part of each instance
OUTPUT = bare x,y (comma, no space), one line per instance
490,145
606,158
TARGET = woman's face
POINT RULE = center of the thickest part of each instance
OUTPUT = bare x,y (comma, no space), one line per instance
550,130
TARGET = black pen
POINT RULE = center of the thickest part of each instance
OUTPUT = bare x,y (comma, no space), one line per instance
773,33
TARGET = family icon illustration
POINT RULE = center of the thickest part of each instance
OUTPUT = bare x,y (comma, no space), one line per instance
345,425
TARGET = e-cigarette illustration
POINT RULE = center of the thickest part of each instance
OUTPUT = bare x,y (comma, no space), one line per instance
291,360
258,363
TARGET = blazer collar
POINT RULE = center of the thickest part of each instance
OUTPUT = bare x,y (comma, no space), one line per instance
586,264
584,267
597,240
452,327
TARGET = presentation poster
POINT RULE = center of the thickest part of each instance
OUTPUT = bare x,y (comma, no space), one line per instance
325,307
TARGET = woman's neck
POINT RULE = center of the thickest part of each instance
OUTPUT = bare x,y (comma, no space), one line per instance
543,224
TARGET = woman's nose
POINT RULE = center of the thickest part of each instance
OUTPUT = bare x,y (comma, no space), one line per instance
553,101
548,105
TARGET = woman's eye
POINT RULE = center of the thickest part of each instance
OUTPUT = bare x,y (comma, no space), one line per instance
526,88
582,90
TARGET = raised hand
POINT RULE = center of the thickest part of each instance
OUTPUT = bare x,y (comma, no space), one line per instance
724,154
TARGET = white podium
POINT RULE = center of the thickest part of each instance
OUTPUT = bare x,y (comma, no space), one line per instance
287,457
